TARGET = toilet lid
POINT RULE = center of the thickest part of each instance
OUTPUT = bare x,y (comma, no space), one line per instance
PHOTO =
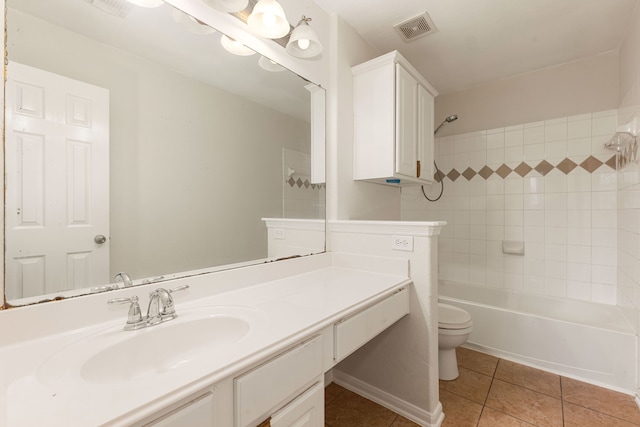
450,317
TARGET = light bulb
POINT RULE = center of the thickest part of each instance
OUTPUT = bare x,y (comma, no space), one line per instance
303,44
269,20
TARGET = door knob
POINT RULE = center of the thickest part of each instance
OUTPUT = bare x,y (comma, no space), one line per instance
99,239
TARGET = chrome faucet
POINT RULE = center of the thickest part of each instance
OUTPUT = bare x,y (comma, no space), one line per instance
161,308
124,278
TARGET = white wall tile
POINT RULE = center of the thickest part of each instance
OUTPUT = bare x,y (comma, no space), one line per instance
579,290
579,200
580,128
579,272
578,236
533,153
514,154
555,130
533,201
580,255
579,147
579,181
555,182
495,140
533,185
533,218
514,137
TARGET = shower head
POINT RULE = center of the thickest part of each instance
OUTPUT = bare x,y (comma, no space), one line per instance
451,118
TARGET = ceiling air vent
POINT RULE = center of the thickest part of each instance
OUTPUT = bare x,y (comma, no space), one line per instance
415,27
119,8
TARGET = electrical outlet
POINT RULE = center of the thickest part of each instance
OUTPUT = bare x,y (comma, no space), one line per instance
402,243
278,233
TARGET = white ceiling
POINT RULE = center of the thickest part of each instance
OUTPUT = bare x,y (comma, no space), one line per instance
484,40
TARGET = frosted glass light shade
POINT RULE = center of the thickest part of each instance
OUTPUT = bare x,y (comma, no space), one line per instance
147,3
190,23
228,6
269,65
304,42
268,20
235,47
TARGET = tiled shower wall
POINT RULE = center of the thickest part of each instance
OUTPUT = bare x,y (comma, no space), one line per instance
549,184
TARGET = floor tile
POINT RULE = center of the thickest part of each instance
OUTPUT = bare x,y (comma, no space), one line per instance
492,418
476,361
524,404
601,400
403,422
458,411
332,391
349,409
469,384
527,377
577,416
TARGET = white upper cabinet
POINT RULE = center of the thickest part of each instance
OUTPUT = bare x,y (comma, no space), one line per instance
393,110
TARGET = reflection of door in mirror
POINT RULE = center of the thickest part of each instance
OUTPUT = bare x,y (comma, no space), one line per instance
57,201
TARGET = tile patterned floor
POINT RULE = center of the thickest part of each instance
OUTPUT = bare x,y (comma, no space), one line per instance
492,392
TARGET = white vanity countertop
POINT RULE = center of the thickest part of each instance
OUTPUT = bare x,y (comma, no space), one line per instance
287,310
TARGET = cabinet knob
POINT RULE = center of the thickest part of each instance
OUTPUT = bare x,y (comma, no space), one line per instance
418,167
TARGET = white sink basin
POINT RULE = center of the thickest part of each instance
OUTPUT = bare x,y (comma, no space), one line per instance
115,356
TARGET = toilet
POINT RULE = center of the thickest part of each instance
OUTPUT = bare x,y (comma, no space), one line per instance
454,327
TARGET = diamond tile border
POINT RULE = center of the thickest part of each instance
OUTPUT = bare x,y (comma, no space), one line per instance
566,166
306,184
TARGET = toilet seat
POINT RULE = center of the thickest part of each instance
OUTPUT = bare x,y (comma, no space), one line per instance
450,317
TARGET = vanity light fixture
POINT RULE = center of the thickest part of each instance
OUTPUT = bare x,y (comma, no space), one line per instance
304,42
235,47
190,23
229,6
268,20
147,3
269,65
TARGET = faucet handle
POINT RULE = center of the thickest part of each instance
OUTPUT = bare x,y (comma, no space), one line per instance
134,318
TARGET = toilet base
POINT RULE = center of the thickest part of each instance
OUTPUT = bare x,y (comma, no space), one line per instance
447,364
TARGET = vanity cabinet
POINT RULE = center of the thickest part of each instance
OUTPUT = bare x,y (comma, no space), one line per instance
285,388
393,122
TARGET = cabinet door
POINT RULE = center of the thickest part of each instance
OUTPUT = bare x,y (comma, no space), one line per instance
425,135
406,123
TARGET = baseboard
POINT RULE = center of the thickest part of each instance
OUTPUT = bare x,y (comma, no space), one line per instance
637,399
399,406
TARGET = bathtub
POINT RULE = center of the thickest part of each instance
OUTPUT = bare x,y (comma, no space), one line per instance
578,339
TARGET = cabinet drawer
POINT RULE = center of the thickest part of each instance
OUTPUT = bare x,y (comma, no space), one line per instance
197,413
352,332
307,410
265,388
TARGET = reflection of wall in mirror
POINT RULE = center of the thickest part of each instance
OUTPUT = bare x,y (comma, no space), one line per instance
171,131
302,198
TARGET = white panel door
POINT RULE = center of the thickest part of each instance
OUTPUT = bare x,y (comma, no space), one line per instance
57,197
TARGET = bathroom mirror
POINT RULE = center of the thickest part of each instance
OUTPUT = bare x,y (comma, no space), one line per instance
135,142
